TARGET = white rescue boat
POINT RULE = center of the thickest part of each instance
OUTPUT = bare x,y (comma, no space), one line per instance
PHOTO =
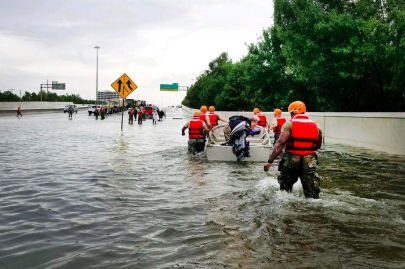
259,144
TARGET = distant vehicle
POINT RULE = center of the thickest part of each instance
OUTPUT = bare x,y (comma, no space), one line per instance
117,105
130,103
109,106
149,112
179,106
91,109
66,108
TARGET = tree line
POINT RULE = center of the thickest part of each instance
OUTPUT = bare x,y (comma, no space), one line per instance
8,96
334,55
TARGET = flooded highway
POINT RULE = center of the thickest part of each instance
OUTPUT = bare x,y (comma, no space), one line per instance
82,194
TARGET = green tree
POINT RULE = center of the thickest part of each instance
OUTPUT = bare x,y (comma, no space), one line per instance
8,96
334,55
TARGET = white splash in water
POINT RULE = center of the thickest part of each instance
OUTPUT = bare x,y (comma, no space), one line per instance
267,183
399,220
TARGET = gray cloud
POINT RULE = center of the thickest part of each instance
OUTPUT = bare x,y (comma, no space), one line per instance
159,41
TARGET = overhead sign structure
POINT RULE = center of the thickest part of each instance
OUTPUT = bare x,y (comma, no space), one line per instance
169,87
124,86
58,86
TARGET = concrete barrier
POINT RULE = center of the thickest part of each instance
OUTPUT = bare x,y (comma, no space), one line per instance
377,131
35,107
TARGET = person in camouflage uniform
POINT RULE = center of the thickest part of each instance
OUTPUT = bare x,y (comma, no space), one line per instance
294,166
300,137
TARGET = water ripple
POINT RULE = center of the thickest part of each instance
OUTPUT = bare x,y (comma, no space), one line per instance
81,194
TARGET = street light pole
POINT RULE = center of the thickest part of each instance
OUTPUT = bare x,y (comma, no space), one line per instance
97,48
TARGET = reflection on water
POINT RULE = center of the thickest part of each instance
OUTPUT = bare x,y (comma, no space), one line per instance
81,194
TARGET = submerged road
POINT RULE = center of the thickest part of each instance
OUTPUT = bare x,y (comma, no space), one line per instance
81,194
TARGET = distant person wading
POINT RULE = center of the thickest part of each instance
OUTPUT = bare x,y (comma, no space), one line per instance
277,124
70,112
204,117
140,115
131,116
214,118
155,116
19,111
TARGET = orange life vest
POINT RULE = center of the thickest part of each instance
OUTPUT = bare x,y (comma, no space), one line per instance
262,120
213,119
195,128
304,136
280,122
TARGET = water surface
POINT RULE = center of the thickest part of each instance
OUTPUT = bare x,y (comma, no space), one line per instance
83,194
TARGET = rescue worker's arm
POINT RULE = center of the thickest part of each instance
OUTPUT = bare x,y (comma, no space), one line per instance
184,129
206,129
208,122
273,124
278,148
319,144
222,119
268,125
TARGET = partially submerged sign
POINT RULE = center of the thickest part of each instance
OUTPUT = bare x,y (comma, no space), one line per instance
124,86
169,87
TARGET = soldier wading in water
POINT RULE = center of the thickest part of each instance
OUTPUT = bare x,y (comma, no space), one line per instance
197,133
300,137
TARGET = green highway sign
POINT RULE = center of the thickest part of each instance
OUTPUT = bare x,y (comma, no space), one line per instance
169,87
58,86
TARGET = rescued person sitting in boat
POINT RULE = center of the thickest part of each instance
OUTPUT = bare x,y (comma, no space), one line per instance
233,122
235,133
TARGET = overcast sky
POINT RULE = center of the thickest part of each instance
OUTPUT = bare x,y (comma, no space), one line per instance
152,41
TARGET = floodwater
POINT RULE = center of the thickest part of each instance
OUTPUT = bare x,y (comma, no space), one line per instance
82,194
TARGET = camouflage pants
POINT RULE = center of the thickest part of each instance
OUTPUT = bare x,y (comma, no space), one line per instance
294,166
196,145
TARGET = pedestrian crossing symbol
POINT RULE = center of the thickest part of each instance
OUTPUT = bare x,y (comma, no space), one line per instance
124,86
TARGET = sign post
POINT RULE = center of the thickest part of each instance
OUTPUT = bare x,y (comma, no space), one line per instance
124,86
122,118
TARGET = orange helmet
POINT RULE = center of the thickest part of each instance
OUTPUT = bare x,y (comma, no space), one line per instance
277,112
203,109
211,108
197,114
297,107
256,110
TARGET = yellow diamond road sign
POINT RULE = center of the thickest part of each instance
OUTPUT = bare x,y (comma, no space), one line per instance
124,86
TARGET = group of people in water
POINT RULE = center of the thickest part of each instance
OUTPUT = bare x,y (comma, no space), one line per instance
299,138
141,112
100,112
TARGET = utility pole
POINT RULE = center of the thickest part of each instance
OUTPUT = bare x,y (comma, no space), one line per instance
97,48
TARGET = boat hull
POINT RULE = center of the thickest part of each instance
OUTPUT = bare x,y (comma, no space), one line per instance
224,153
